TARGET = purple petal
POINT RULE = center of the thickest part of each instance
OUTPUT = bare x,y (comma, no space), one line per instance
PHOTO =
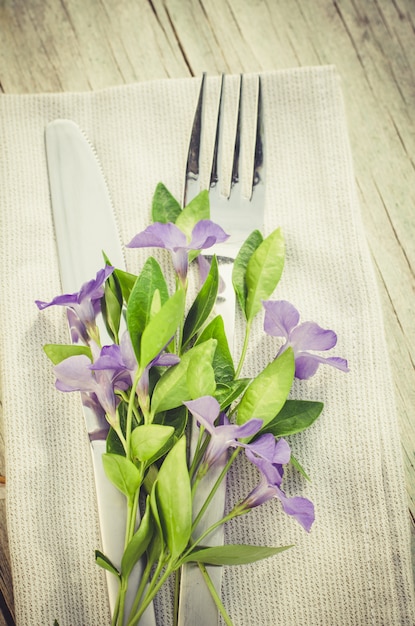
306,364
251,427
272,473
181,263
299,508
93,289
205,410
159,235
67,299
97,424
310,336
73,374
77,328
109,359
263,447
204,267
166,359
127,352
205,234
259,495
282,452
280,318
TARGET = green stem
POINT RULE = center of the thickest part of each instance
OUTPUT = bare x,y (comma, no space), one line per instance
141,587
150,595
214,489
215,595
244,348
179,345
117,429
116,609
130,413
197,454
121,596
207,532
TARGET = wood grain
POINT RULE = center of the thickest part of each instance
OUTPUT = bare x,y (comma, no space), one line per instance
57,45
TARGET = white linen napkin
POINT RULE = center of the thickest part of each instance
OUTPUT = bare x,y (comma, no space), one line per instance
353,569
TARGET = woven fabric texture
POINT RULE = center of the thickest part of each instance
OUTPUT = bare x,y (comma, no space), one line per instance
353,568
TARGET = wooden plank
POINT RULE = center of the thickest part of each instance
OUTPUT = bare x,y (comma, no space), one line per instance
6,583
53,45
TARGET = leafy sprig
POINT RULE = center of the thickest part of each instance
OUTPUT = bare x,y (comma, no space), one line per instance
166,364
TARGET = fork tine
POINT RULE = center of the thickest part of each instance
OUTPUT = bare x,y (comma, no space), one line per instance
218,148
214,176
258,173
193,156
236,152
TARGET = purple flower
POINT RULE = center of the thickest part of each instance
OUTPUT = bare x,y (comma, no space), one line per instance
163,359
86,304
206,410
282,320
159,235
269,455
99,380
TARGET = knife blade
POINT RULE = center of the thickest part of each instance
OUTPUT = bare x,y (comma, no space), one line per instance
85,226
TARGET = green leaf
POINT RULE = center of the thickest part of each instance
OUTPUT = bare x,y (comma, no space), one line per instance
126,282
299,467
294,417
203,303
158,538
165,207
232,554
228,392
197,209
161,328
150,441
171,390
175,499
57,352
111,307
200,378
114,444
264,272
104,562
222,359
177,418
150,281
122,473
241,263
138,543
268,392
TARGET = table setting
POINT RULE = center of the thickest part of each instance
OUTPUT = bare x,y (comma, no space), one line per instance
341,517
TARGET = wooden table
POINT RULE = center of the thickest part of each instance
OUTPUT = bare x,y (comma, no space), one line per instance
78,45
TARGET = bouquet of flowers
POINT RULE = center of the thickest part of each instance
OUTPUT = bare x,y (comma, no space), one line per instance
167,368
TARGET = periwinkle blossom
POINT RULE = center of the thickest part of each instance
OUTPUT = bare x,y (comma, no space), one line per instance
163,359
269,456
167,235
206,410
282,320
85,304
99,379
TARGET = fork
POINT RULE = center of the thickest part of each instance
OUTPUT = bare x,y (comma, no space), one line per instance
238,215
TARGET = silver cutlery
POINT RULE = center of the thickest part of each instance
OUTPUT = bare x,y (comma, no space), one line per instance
85,226
238,214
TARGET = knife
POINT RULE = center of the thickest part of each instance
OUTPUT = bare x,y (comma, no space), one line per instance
85,226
